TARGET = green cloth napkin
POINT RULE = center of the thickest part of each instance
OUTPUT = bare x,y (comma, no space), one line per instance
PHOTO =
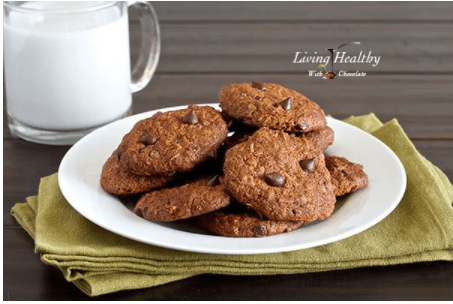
99,262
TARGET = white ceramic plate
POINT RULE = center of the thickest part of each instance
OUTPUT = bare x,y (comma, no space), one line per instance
80,170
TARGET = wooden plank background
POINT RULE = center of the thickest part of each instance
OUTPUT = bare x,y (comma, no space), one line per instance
271,47
308,12
206,45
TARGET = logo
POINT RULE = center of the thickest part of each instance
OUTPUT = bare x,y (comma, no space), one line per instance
335,56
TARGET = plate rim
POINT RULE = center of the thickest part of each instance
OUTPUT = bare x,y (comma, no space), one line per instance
134,118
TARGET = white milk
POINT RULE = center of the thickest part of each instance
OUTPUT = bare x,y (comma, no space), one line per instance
65,75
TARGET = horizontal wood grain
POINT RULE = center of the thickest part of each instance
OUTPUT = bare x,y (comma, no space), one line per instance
285,11
422,103
272,47
24,164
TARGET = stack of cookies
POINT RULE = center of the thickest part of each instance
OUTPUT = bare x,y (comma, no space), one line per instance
270,176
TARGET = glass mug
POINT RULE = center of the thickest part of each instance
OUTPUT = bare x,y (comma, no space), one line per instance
67,66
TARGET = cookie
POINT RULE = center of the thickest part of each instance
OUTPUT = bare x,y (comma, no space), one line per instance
118,181
271,105
236,138
174,141
321,138
235,125
245,224
346,176
280,177
199,197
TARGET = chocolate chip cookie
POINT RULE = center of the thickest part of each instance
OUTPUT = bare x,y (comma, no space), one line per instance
245,224
199,197
271,105
346,176
321,138
236,138
118,181
174,141
280,177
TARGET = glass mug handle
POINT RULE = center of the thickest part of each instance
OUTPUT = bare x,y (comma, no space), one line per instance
150,47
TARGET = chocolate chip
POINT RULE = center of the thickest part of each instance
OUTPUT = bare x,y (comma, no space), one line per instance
148,139
190,118
308,165
302,126
274,179
259,230
213,181
285,104
259,98
259,85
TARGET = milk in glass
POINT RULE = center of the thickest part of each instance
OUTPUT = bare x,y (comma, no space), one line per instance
67,73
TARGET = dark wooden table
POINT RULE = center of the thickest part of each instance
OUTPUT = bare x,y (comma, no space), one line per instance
208,45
